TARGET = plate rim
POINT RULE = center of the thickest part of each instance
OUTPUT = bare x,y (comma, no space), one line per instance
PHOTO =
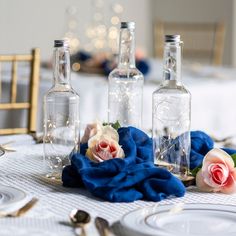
169,206
14,201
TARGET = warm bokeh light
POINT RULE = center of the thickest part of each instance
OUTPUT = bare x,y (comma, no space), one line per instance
118,8
115,20
76,66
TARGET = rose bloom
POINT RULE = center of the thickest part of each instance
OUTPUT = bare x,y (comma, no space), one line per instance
217,173
102,142
104,149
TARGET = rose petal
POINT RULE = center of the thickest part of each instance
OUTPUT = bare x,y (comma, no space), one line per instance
210,175
102,156
230,186
201,184
113,148
90,130
110,132
91,154
217,155
94,140
219,176
95,159
120,153
103,145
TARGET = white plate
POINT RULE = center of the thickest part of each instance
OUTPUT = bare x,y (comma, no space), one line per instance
11,198
182,220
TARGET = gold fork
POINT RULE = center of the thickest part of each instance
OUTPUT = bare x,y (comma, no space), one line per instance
22,210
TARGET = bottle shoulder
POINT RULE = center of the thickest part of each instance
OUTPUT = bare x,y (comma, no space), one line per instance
172,87
126,74
64,91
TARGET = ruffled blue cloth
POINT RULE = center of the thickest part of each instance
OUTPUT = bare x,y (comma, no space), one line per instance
134,177
124,180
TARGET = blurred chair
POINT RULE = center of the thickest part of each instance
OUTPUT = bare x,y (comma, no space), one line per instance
32,60
203,42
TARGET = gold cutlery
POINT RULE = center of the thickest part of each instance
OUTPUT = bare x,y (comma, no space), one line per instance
5,147
103,227
22,210
79,219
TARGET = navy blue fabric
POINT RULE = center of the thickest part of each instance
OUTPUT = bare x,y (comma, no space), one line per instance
134,177
201,144
124,180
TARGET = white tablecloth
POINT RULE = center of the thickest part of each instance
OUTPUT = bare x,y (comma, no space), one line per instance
23,169
212,90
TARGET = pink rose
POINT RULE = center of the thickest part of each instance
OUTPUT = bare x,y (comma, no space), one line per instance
104,150
102,142
217,173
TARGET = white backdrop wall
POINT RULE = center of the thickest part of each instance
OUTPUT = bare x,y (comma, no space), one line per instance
25,24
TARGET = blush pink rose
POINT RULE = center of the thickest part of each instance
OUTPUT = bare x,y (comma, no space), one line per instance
218,173
104,150
102,142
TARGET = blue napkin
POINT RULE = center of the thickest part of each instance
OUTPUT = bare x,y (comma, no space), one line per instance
124,180
201,144
134,177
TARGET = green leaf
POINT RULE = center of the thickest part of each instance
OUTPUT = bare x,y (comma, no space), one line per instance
234,158
116,125
195,170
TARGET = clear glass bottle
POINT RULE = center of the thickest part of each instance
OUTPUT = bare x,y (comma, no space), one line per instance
171,108
126,83
61,114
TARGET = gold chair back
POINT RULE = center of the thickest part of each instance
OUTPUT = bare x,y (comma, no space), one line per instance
202,41
31,105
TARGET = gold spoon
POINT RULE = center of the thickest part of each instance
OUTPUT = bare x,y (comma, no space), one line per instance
79,219
102,226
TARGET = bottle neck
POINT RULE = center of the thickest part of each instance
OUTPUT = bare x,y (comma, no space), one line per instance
127,48
172,61
61,66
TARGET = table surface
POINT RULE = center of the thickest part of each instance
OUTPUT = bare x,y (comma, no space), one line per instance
24,169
